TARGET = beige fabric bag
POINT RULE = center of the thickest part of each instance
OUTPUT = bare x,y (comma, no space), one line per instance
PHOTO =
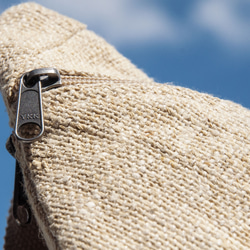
124,163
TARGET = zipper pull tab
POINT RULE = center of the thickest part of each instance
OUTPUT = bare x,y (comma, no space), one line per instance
29,119
21,209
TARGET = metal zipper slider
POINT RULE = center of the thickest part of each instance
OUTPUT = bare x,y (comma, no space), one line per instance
29,119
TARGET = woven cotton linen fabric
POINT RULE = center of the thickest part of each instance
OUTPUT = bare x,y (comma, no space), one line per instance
124,163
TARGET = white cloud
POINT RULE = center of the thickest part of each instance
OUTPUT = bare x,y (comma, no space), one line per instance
120,21
124,22
224,20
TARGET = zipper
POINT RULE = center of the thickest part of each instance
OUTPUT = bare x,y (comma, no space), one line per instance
28,128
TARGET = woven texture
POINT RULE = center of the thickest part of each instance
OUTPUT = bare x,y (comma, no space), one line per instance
124,163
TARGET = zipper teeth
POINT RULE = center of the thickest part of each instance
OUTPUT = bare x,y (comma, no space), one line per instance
93,79
85,79
67,80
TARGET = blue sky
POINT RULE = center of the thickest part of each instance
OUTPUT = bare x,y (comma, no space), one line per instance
199,44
